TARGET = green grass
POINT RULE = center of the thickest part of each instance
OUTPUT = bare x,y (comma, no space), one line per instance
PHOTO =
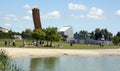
84,46
65,45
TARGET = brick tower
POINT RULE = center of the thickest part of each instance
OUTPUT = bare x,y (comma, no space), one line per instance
36,18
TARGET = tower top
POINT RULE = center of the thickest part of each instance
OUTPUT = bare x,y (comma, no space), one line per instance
35,9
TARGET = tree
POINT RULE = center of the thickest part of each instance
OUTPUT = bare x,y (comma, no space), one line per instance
118,34
103,32
38,34
92,35
12,33
107,34
97,34
27,34
4,35
116,40
83,32
51,35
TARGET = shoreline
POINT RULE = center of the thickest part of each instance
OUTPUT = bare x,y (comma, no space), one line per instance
38,52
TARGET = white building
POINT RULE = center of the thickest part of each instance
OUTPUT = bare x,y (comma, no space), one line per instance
3,30
66,31
17,37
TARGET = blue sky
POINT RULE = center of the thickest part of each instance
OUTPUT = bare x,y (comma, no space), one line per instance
80,14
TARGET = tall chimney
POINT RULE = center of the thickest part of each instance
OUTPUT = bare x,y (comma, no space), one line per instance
36,18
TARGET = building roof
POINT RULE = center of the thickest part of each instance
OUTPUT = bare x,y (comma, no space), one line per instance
2,28
64,28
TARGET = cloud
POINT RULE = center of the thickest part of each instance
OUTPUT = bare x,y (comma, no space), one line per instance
77,16
7,24
10,17
74,6
117,13
27,6
29,12
27,18
95,13
51,15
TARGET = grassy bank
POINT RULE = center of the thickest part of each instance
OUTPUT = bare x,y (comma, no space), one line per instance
65,45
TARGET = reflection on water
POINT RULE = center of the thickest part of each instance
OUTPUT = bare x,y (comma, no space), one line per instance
43,64
71,63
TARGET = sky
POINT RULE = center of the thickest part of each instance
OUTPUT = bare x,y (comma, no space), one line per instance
80,14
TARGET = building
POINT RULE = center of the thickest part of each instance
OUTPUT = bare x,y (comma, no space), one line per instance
80,38
3,30
66,32
36,18
85,39
17,37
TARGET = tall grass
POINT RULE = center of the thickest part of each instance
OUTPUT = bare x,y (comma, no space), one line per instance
5,64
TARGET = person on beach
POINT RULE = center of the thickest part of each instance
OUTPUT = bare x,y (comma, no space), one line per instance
5,43
14,44
9,43
24,43
71,43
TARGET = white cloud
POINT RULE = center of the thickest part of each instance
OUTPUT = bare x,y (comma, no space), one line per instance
54,14
77,16
75,6
7,24
117,13
30,12
96,13
27,6
6,18
11,17
27,18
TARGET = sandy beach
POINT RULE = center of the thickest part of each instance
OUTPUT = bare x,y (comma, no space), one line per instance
37,52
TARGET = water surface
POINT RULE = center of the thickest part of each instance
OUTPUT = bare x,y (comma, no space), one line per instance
70,63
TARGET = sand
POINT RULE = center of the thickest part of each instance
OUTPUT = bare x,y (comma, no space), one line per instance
38,52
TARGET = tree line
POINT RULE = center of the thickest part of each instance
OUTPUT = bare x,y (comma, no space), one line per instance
50,34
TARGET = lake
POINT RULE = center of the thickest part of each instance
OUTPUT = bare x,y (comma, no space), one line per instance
70,63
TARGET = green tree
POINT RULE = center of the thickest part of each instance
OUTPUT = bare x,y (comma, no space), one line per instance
27,34
38,34
51,35
83,32
92,35
99,32
4,35
12,33
116,40
107,34
118,34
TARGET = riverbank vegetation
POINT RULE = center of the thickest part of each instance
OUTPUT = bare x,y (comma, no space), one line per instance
5,62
